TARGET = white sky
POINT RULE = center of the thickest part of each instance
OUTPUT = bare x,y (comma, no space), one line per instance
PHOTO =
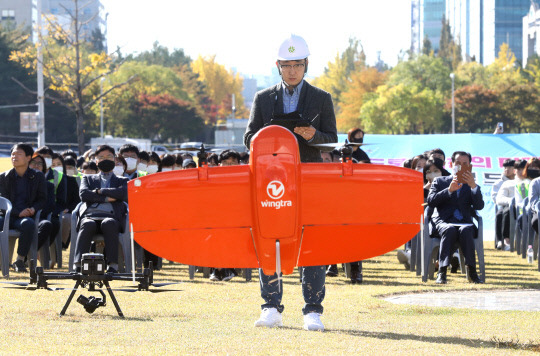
246,34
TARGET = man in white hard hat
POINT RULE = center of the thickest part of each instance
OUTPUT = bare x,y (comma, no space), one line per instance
293,95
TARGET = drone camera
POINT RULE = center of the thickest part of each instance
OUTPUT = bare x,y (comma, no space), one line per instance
90,304
93,264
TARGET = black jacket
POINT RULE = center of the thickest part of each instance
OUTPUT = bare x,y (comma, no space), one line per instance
37,189
72,193
118,189
314,105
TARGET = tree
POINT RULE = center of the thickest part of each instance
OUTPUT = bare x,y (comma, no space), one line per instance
476,109
449,50
519,106
13,39
220,85
427,48
152,80
336,76
70,68
160,55
362,82
163,117
402,109
504,71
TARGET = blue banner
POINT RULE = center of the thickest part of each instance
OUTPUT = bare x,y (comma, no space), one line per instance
488,153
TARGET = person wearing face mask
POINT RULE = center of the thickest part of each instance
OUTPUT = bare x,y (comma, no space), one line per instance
453,205
120,166
356,135
418,163
131,155
167,162
178,161
534,199
143,163
72,198
502,215
55,174
103,210
154,163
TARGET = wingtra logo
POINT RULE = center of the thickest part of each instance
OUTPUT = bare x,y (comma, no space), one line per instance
275,190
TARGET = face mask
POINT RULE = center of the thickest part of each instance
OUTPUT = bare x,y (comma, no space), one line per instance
152,169
456,169
106,165
59,169
166,169
118,171
420,169
48,162
431,176
533,173
141,167
131,164
71,172
358,140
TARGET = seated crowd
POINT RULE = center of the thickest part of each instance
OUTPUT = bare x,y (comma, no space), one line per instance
56,184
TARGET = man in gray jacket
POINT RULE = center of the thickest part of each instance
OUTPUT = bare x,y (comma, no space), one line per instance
300,99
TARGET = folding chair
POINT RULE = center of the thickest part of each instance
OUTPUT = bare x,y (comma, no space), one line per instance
124,239
8,238
430,246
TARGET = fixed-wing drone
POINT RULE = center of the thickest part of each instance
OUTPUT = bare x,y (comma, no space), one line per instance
276,213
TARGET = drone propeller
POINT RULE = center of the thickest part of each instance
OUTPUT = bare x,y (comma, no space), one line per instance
336,145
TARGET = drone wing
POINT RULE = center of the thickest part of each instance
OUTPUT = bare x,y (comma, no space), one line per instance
363,210
195,216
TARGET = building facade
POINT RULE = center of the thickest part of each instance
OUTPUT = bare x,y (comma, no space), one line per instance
426,20
482,26
23,13
531,33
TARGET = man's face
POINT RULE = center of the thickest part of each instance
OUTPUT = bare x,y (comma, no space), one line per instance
104,155
461,159
292,72
231,161
19,158
437,155
509,172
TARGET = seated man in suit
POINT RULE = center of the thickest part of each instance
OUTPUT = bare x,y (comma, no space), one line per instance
26,189
103,210
454,204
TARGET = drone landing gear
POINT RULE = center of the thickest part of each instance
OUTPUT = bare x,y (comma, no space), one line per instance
90,304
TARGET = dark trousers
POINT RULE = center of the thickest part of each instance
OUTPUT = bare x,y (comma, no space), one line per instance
47,230
26,227
534,222
451,234
502,223
109,228
313,289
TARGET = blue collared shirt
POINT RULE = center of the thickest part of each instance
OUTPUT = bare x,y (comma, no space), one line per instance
290,102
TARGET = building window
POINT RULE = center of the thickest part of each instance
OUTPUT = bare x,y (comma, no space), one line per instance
8,15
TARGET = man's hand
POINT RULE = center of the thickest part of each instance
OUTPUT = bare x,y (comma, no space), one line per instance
110,200
454,185
469,179
306,132
27,213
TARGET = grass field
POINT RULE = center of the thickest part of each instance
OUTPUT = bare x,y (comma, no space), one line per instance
206,317
5,164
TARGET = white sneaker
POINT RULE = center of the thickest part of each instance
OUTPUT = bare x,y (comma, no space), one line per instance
270,318
506,247
499,245
312,321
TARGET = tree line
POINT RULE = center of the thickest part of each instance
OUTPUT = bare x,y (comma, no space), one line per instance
414,97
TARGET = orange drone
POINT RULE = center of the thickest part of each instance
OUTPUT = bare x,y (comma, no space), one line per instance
276,213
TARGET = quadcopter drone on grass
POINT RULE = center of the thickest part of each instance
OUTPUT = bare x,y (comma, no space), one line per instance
93,277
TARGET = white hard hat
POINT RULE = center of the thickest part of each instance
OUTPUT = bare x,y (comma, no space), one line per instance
293,48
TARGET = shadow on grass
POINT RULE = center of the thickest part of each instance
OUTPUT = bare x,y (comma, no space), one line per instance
476,343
